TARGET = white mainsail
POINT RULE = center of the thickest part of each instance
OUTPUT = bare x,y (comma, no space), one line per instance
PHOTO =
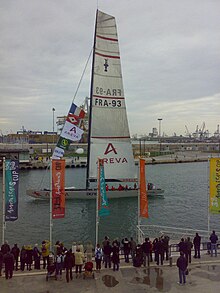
109,136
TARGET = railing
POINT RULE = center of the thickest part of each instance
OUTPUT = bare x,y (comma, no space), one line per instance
174,233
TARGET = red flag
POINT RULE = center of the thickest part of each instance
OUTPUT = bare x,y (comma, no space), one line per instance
143,192
58,189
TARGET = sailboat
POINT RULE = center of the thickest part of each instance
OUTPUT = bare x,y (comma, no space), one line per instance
108,134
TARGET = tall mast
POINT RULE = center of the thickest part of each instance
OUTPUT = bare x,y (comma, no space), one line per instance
90,107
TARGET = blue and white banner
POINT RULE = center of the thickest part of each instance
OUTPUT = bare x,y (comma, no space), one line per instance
71,131
11,189
103,200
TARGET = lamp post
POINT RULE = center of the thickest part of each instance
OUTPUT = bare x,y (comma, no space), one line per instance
160,119
53,109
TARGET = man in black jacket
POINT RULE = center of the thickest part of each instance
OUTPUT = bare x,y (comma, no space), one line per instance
146,252
182,265
197,242
214,239
8,259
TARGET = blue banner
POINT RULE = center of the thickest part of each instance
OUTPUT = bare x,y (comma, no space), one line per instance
11,189
104,208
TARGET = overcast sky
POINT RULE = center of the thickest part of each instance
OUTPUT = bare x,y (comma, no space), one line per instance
170,54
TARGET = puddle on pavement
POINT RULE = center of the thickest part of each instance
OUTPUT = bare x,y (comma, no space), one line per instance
109,281
154,278
210,272
209,268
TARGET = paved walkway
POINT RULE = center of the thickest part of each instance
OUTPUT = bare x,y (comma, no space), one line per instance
204,276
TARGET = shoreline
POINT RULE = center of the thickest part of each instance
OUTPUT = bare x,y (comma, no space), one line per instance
178,157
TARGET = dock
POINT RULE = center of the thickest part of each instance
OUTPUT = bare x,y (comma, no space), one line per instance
204,276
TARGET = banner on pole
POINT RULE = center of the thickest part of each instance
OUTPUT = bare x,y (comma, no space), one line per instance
11,189
214,186
143,192
102,197
58,189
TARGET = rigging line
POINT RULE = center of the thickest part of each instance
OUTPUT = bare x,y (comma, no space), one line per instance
82,74
43,177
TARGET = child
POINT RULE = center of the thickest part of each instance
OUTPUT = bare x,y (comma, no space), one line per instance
98,257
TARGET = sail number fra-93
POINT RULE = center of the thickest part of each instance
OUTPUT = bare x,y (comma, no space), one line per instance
110,101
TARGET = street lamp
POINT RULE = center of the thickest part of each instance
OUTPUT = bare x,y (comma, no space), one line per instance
160,119
53,109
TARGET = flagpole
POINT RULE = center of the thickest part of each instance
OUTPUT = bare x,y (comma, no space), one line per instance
208,197
97,204
3,202
51,220
139,218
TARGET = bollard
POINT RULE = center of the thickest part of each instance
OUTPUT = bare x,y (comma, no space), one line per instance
170,261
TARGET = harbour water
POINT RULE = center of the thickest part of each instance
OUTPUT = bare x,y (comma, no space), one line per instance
184,205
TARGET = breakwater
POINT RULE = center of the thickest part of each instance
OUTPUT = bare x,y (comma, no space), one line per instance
163,159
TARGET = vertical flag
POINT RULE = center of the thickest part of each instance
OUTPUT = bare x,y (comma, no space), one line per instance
58,189
102,197
214,183
71,131
143,192
11,189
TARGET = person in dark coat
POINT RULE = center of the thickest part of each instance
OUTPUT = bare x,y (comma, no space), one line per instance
213,238
8,260
159,249
182,265
107,249
1,261
197,242
29,258
165,241
126,248
23,257
189,249
5,247
146,252
104,243
115,257
138,259
16,252
36,256
183,247
133,246
69,263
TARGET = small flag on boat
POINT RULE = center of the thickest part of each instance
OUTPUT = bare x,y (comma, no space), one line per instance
76,111
102,197
70,132
214,183
143,191
11,189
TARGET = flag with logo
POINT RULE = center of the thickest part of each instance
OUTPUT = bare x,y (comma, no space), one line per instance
143,191
70,132
102,197
11,189
58,189
214,186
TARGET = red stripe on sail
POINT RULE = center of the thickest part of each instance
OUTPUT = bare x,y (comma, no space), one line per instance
107,56
107,97
107,39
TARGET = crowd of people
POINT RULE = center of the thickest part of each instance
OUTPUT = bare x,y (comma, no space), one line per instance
107,254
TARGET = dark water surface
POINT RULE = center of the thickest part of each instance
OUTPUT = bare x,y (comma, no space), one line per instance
184,204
